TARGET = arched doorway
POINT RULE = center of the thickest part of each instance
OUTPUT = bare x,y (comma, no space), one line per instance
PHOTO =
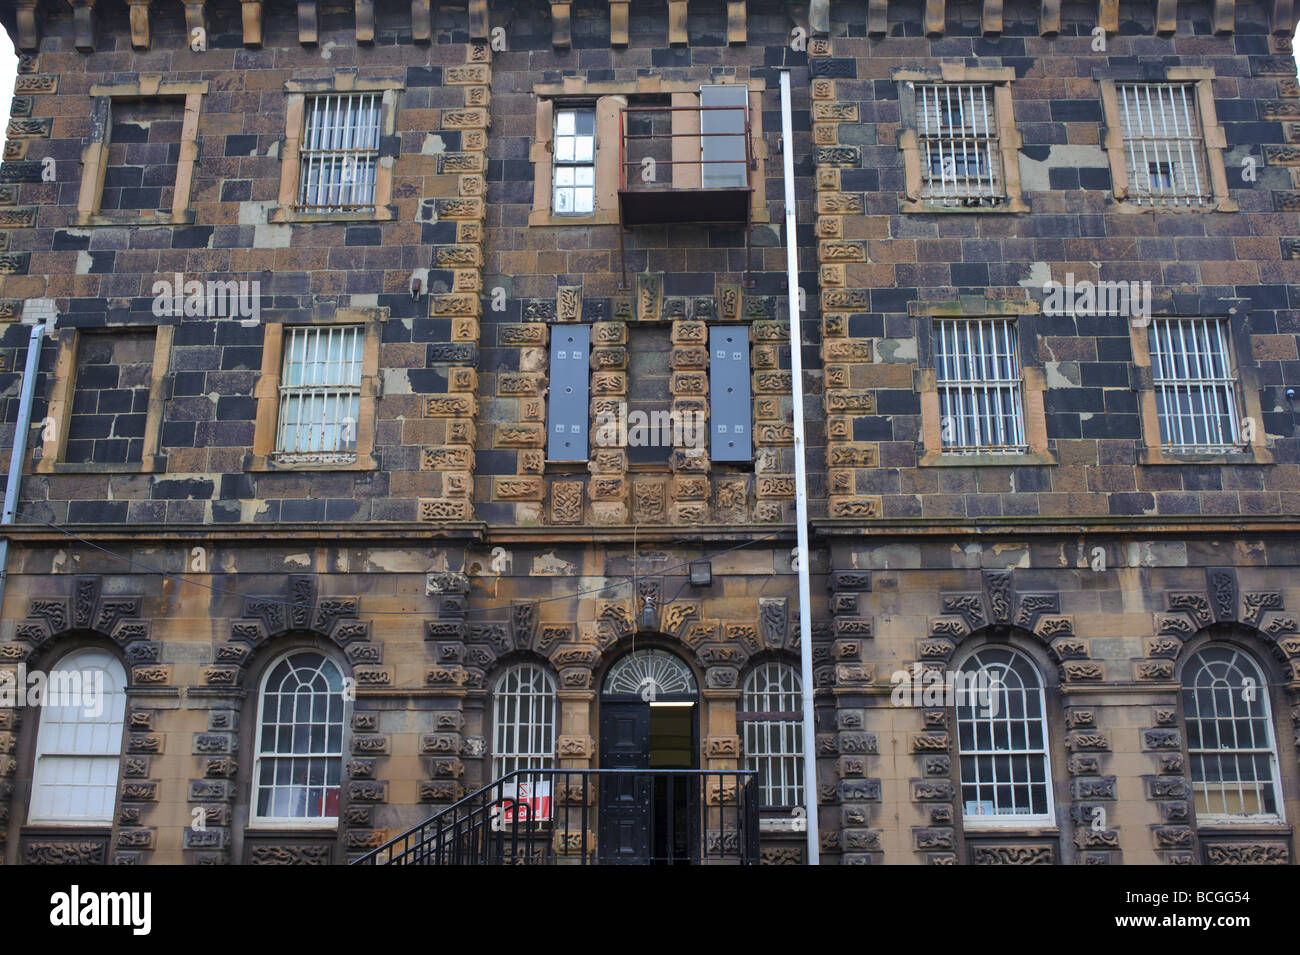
649,721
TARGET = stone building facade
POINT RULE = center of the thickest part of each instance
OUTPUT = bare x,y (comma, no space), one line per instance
165,523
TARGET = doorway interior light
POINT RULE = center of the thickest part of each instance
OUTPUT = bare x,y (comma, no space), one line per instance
654,703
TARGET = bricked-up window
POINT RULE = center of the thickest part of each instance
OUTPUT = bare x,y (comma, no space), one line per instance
523,723
299,742
1229,737
339,155
110,398
320,394
1002,740
650,422
977,371
1195,388
575,161
79,742
957,130
144,147
770,719
1163,143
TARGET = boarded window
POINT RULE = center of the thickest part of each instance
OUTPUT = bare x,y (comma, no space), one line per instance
566,426
144,147
110,398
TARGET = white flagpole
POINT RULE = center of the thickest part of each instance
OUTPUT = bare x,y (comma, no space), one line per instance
800,480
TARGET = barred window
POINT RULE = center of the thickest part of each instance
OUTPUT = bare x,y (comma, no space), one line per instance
299,742
1191,368
1163,143
575,162
977,373
79,741
524,720
1229,736
771,718
339,156
1002,739
320,395
958,132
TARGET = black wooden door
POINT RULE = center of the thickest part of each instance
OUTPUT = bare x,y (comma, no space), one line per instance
625,801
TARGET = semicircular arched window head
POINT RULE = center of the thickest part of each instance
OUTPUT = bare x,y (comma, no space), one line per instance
523,720
1006,778
79,741
770,717
1230,737
299,746
650,674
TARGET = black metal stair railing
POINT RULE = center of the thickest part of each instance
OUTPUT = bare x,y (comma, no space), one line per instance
590,817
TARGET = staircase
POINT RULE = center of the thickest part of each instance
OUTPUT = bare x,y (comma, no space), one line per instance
590,817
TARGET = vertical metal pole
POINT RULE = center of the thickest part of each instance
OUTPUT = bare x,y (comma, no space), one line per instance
18,457
800,478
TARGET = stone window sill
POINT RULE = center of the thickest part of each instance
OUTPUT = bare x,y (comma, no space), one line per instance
1217,205
260,462
544,218
941,459
1009,207
152,464
283,214
135,219
1154,457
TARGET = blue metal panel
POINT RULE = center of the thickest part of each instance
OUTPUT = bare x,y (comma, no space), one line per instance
568,410
729,409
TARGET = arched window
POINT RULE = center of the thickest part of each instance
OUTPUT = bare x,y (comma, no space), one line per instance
771,719
1230,737
649,673
524,720
299,750
1002,740
79,741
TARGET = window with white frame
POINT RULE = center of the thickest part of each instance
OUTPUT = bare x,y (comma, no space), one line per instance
1164,147
956,126
574,161
320,394
339,155
977,374
1002,740
1230,737
79,741
523,720
1195,387
299,750
770,719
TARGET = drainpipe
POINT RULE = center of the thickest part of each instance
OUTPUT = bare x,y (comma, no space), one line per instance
16,460
800,480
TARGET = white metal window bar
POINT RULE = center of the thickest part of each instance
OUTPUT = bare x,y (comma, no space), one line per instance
1163,143
320,394
958,133
771,707
1230,737
977,372
299,742
1002,740
339,155
1191,367
524,720
575,162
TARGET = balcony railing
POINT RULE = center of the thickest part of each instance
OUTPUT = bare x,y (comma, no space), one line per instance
590,817
686,164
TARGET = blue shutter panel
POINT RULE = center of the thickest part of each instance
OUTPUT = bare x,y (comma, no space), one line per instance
568,410
729,410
